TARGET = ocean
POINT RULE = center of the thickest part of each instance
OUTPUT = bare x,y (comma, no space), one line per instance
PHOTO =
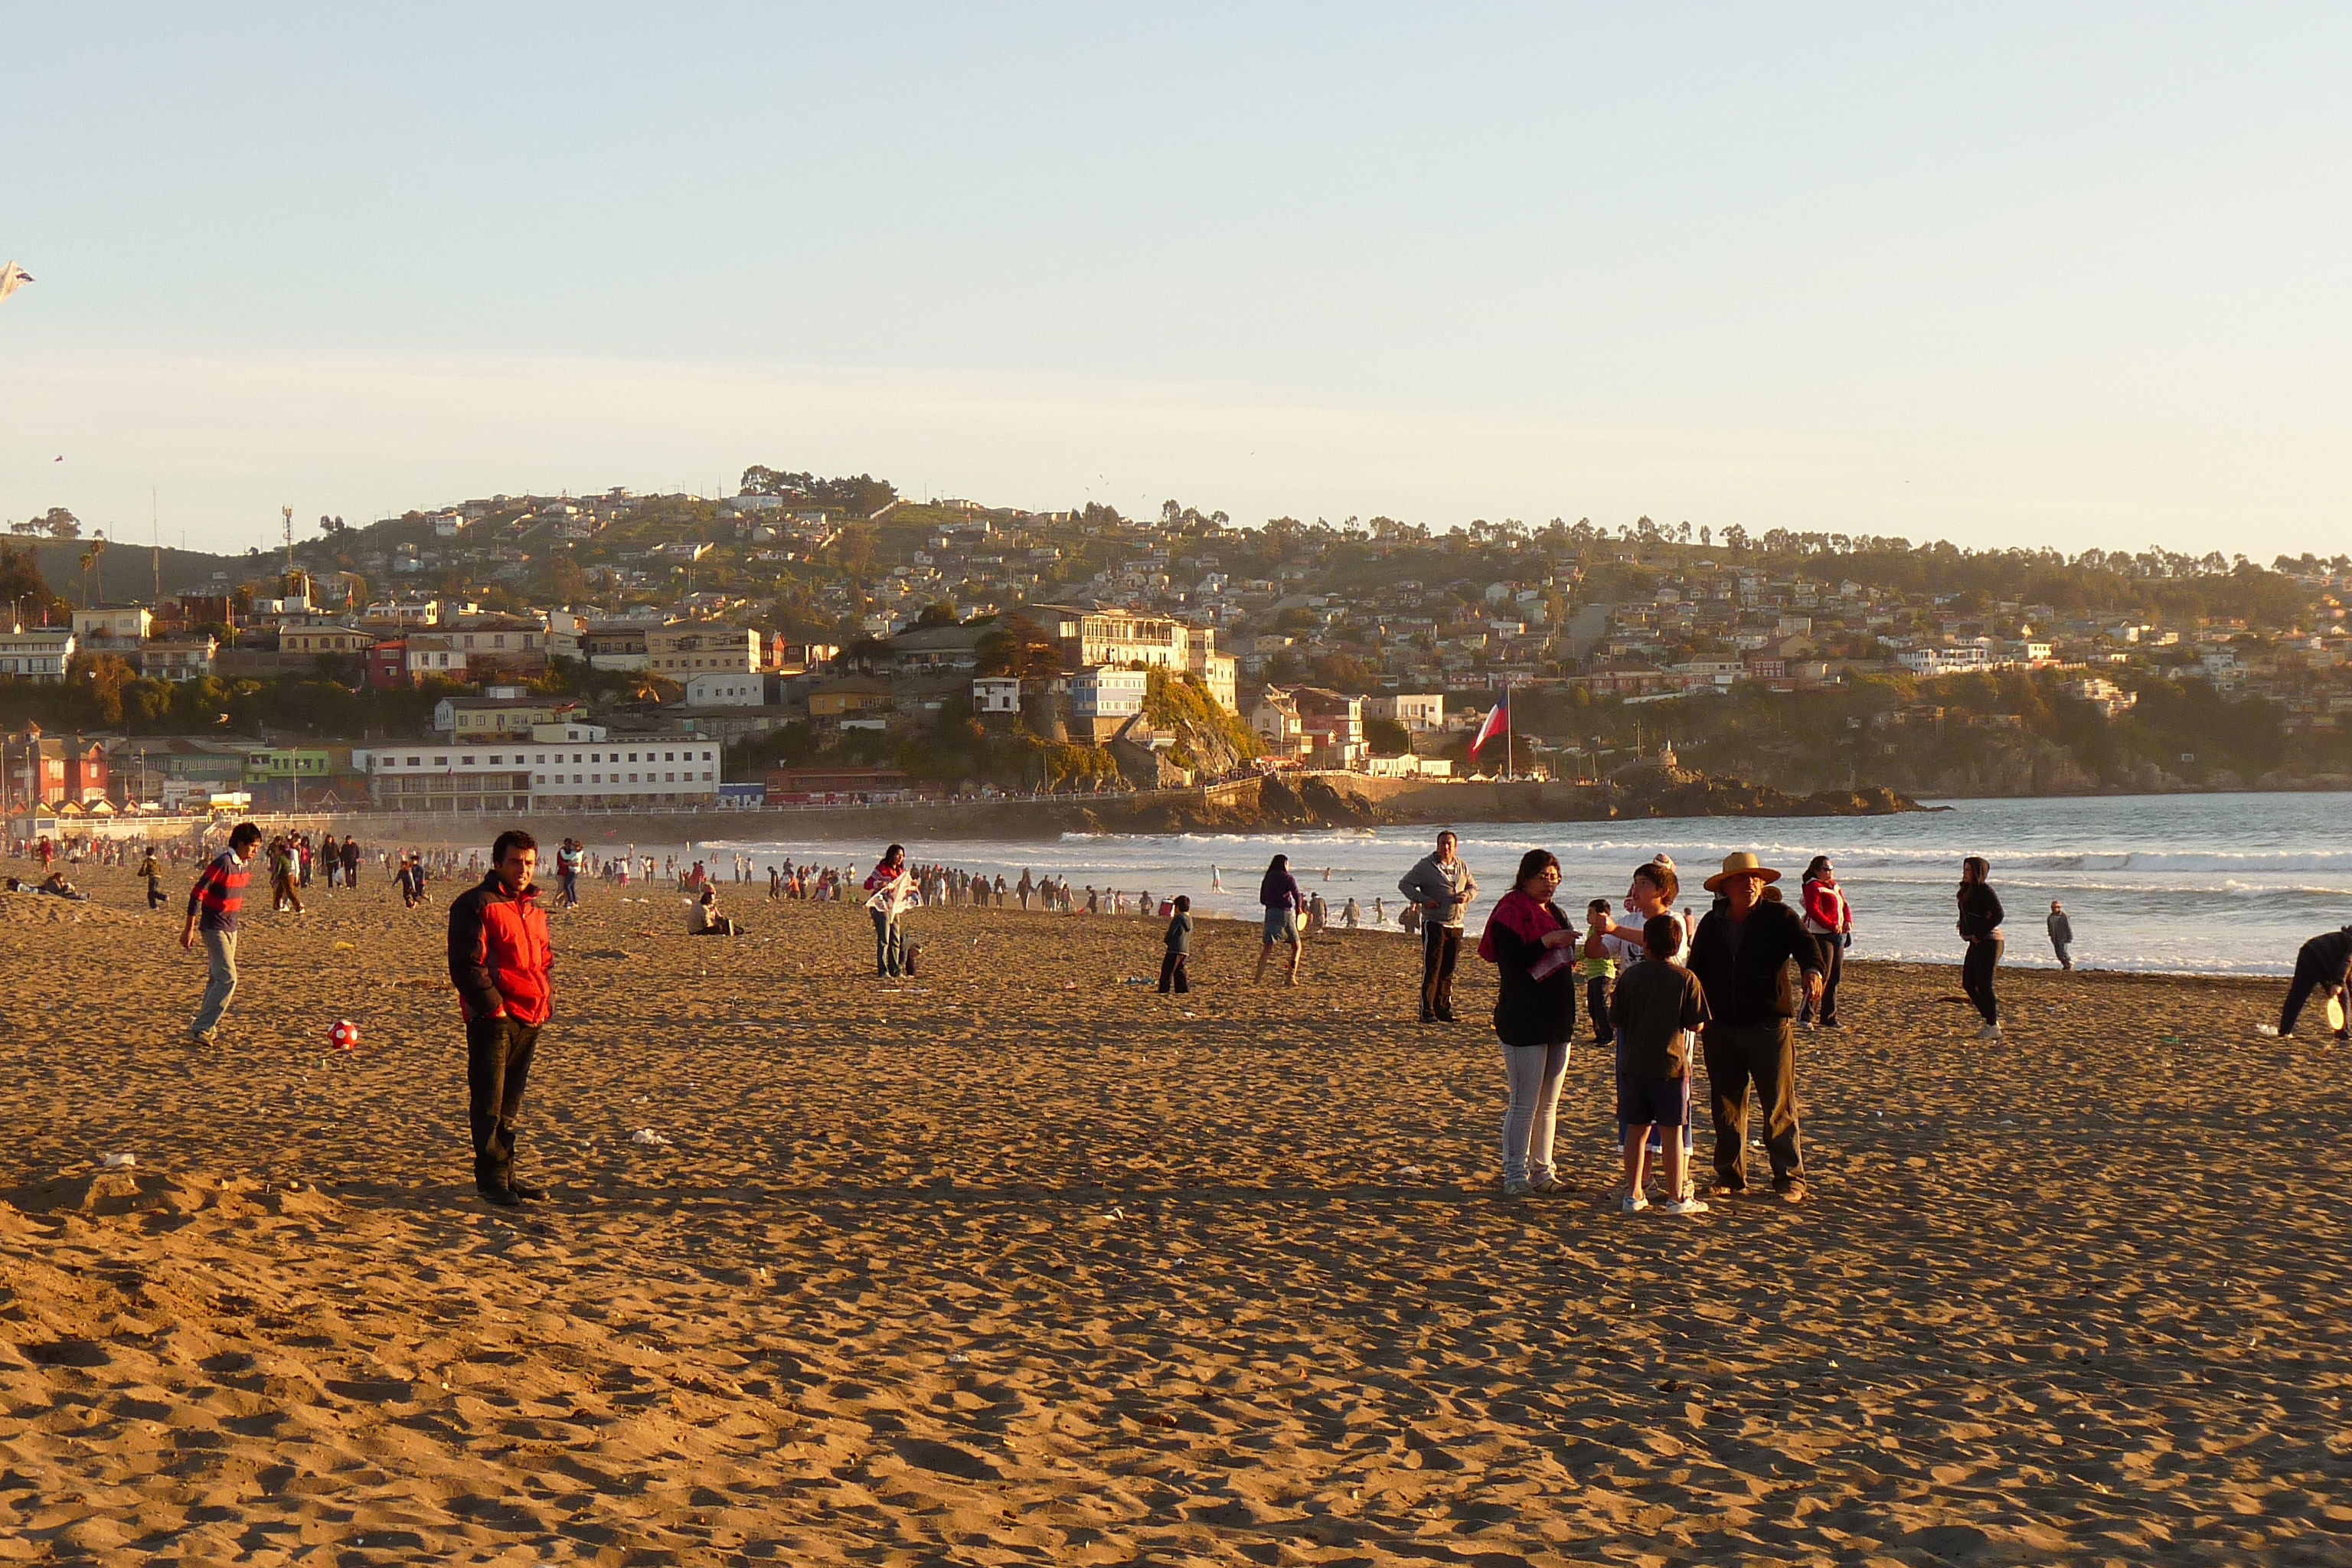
2208,884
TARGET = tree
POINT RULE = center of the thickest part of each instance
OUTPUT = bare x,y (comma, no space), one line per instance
60,523
937,615
20,576
1019,647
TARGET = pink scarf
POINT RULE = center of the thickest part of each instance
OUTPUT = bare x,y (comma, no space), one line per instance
1523,918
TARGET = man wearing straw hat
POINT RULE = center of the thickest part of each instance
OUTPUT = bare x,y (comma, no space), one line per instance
1741,956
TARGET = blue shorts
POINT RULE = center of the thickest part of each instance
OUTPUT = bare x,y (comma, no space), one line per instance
1652,1101
1281,925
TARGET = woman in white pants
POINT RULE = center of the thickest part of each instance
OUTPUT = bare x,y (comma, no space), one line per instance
1532,946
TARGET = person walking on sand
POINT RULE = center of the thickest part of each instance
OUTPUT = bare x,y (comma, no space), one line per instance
1532,946
892,886
2321,966
2062,935
1829,921
153,875
1979,926
1178,943
500,956
1283,901
1024,888
568,856
1440,886
215,906
1742,959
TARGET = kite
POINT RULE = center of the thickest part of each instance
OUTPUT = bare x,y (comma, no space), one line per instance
12,277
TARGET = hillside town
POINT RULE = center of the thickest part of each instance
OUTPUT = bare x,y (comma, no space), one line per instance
813,641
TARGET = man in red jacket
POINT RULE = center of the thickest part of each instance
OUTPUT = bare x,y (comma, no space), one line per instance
499,955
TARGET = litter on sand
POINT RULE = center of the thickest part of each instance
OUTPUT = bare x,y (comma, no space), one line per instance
649,1138
117,1162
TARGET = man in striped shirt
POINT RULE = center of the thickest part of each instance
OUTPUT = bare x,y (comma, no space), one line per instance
214,905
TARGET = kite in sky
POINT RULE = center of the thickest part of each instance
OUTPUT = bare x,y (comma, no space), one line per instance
12,277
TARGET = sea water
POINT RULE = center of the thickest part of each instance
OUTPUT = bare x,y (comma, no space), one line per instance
2226,884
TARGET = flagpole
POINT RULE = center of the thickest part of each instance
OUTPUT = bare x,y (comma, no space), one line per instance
1510,758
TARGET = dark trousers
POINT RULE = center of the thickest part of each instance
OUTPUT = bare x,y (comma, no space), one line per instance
1765,1055
2310,976
1172,977
1440,950
498,1065
1976,975
1832,949
1596,1007
889,947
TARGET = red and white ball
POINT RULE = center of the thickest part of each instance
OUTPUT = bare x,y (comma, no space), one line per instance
344,1036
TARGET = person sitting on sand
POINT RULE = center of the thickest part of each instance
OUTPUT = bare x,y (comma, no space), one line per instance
56,886
2321,966
1660,1009
1532,946
1279,894
703,919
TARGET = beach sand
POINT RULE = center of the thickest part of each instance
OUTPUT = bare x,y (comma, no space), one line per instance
1018,1262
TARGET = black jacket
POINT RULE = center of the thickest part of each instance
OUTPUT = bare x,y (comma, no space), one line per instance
2328,955
1979,911
1528,1011
1754,987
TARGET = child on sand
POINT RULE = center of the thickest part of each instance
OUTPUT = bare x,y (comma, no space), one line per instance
1179,940
1660,1007
1597,968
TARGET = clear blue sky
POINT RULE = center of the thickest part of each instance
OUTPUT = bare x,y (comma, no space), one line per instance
2005,274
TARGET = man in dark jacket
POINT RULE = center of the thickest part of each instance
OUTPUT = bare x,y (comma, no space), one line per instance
1741,956
500,958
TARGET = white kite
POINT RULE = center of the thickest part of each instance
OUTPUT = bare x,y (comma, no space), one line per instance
12,277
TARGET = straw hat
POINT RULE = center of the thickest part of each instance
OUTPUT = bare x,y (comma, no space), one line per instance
1743,864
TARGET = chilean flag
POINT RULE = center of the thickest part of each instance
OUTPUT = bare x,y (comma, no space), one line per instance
1497,722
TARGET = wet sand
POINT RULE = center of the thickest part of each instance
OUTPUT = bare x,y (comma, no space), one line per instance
1016,1262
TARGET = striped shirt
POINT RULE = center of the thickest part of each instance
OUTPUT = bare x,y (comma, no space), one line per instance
219,892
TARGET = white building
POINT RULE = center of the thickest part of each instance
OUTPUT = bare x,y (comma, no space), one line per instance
36,655
1105,693
114,622
1417,712
729,691
1950,660
562,767
996,694
685,648
178,659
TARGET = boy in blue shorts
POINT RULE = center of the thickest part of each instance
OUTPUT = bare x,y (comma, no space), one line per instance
1660,1009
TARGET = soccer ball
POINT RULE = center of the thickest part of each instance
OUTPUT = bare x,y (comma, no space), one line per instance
344,1036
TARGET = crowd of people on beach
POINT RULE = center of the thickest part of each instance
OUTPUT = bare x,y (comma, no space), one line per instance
1664,986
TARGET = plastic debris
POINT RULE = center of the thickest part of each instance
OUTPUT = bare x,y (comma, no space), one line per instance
117,1162
1408,1169
649,1138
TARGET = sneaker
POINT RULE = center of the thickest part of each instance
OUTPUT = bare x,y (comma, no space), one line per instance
1790,1192
1547,1186
526,1192
1990,1032
1516,1188
1684,1206
505,1197
209,1037
1635,1204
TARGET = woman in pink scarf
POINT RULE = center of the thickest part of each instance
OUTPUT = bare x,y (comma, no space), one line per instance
1532,946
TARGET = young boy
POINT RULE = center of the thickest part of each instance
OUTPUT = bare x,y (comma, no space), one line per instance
1659,1006
1180,946
1597,968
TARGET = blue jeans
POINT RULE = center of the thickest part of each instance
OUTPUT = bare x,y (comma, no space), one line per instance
889,946
220,948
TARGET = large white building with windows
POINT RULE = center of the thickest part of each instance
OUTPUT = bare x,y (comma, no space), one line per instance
562,767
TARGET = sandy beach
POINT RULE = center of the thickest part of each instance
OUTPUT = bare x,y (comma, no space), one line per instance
1021,1262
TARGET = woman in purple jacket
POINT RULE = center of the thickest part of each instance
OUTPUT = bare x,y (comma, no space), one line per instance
1284,901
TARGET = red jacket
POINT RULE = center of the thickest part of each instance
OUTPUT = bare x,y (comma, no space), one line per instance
1826,908
501,953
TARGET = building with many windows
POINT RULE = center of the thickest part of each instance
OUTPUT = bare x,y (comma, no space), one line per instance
562,767
36,655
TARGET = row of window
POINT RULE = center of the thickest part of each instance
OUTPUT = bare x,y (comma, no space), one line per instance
599,778
520,760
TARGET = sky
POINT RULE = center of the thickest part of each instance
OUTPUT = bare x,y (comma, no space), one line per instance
2003,274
